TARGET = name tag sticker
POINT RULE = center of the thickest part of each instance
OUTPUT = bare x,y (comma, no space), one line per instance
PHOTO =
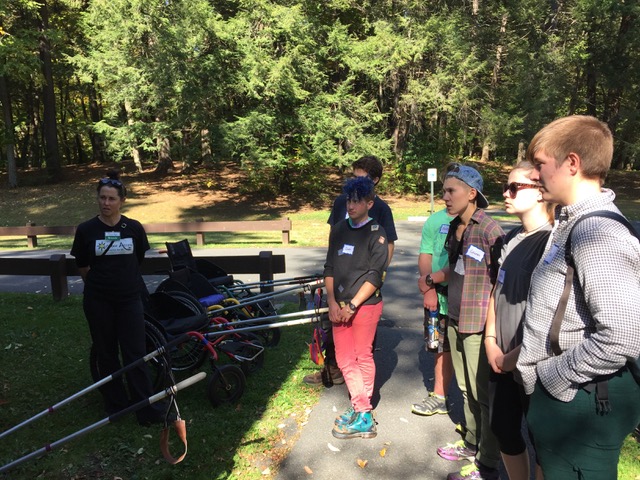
444,229
112,235
347,249
114,247
374,228
475,253
552,253
459,266
501,274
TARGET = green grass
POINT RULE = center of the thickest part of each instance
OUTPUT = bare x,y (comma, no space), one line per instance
44,354
629,466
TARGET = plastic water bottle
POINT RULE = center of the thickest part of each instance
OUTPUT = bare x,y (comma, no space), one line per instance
433,331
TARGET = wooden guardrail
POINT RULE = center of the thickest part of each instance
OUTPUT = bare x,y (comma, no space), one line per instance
58,267
31,231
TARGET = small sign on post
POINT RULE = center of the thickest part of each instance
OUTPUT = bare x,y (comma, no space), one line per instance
432,177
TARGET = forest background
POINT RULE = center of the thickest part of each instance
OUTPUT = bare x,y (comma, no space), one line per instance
285,89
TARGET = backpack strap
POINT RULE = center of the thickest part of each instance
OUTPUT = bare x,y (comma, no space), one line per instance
554,334
601,383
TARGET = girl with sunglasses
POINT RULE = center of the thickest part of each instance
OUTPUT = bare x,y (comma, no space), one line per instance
108,249
521,251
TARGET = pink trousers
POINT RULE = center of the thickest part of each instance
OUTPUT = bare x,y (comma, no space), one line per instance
354,354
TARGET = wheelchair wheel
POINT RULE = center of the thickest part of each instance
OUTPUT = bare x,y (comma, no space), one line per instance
158,367
226,385
188,355
270,336
188,300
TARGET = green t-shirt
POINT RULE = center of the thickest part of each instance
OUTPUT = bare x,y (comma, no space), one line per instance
434,234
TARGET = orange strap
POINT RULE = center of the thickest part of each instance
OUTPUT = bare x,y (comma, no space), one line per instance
181,429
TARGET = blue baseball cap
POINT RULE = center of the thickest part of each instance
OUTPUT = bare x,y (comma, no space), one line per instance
471,177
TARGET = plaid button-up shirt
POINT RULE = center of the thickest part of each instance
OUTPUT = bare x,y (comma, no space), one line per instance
600,331
478,238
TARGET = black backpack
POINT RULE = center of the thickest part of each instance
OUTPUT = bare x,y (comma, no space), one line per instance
634,367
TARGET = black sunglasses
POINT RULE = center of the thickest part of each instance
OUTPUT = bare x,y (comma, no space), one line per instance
514,187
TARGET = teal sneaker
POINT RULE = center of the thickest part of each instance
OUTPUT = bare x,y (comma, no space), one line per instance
362,425
345,418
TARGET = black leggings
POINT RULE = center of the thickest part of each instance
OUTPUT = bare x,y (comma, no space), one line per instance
507,406
118,325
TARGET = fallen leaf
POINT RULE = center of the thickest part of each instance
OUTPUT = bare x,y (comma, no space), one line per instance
332,448
266,471
308,470
362,463
402,419
282,425
383,452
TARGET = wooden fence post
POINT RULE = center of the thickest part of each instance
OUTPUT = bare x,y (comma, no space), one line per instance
265,260
58,275
200,235
32,240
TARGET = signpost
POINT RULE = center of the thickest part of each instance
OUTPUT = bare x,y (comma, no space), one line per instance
432,177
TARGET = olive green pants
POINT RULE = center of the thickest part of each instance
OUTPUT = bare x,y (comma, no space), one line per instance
472,376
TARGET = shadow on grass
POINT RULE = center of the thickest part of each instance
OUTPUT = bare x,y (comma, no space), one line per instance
44,358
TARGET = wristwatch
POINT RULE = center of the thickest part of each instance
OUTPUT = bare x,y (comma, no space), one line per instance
352,307
428,280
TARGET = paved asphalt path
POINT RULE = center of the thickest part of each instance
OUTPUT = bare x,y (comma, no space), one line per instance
405,447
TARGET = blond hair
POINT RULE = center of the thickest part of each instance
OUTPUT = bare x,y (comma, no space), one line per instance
528,167
583,135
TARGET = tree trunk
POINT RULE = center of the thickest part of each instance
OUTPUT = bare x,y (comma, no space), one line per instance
164,156
80,156
97,140
135,153
205,146
37,142
486,151
499,53
476,7
9,145
522,151
613,99
48,99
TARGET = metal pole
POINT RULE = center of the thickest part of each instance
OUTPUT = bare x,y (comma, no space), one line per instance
431,198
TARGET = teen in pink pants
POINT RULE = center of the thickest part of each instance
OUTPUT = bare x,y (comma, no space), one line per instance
354,353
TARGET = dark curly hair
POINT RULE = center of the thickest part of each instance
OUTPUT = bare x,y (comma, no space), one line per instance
370,164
